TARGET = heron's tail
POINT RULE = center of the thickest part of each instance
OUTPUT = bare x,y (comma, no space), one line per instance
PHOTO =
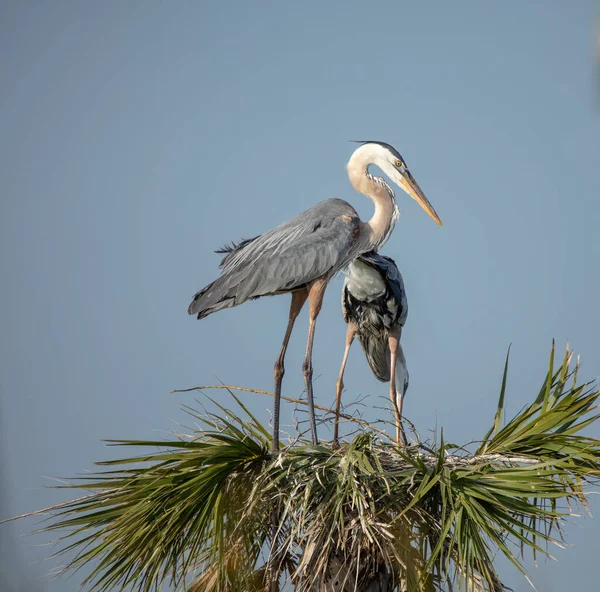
211,299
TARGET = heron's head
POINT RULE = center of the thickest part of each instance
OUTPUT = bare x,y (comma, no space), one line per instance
389,160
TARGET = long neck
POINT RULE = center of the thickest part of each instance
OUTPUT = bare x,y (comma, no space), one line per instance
380,226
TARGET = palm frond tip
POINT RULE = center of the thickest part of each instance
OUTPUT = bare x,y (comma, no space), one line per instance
216,510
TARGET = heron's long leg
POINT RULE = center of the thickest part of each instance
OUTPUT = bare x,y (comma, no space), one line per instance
298,300
316,292
393,339
350,333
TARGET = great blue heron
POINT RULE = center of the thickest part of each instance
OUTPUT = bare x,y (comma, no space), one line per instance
301,255
375,307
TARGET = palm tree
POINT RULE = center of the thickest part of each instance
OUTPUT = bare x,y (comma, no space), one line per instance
215,509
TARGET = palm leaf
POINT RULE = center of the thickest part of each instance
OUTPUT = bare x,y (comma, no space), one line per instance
214,509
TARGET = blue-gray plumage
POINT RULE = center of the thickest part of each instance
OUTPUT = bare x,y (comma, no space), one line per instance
301,255
375,307
316,243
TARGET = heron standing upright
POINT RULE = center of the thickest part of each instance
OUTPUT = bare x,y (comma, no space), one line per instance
301,255
375,307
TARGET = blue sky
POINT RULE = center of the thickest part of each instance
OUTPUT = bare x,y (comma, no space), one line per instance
139,136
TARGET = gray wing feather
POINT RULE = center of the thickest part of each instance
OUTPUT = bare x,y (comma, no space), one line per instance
232,250
294,265
312,245
288,233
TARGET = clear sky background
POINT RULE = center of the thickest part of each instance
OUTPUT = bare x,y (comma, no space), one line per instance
138,136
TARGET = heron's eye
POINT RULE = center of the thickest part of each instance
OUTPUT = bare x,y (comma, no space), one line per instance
399,164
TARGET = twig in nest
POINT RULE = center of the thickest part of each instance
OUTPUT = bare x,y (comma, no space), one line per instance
289,399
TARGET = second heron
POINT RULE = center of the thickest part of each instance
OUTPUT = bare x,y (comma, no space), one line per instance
375,308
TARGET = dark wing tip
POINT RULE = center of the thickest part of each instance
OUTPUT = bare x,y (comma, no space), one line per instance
227,248
230,250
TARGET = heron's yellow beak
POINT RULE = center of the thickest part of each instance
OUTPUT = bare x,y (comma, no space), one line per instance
412,188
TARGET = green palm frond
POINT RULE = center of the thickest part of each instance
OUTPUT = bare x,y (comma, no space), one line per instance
159,515
216,510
